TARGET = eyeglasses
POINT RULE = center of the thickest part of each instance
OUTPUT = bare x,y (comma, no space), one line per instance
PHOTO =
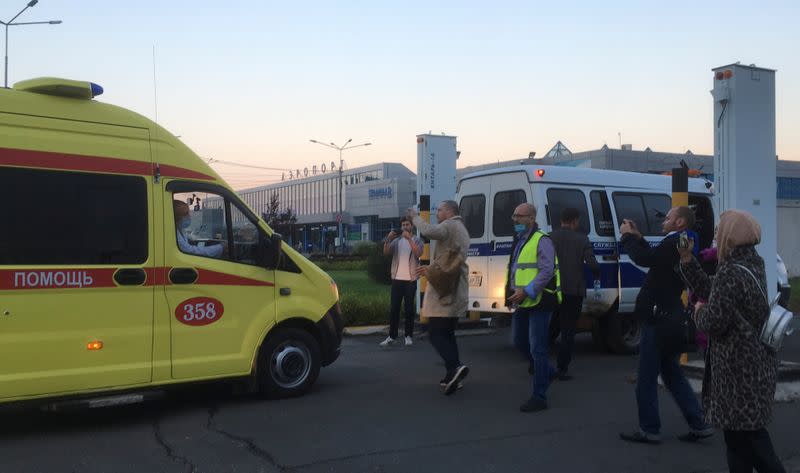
520,215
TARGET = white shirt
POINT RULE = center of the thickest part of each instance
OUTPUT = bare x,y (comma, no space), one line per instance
403,255
213,251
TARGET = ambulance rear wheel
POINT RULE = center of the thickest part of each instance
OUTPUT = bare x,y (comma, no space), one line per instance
288,363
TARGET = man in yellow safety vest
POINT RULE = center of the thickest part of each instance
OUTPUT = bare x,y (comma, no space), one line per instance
534,290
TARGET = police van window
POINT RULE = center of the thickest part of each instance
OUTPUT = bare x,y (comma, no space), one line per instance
603,221
560,199
504,205
657,206
473,212
55,217
647,210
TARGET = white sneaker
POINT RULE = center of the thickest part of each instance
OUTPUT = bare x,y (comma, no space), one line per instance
409,341
387,342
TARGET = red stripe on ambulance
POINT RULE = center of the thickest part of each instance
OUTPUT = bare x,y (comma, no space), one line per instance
77,162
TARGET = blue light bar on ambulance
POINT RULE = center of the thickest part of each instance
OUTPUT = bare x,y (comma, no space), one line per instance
75,89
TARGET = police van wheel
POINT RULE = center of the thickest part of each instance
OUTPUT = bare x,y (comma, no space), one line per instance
623,332
288,363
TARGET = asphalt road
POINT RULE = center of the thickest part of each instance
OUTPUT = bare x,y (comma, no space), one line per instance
381,410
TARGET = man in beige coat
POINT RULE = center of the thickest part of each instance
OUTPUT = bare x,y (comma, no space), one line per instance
446,297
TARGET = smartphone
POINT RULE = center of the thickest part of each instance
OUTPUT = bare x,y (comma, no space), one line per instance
683,240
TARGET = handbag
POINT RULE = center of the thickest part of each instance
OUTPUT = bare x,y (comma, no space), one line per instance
675,331
776,327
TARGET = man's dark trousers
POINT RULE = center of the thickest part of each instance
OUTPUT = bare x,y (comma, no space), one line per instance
402,291
442,332
651,363
568,313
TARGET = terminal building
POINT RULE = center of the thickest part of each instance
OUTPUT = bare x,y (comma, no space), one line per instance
374,197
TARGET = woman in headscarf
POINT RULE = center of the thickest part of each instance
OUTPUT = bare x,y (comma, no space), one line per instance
741,372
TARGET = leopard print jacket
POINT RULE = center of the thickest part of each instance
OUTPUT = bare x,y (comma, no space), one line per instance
741,372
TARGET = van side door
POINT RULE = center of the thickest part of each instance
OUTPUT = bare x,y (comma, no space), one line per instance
472,208
601,235
647,210
508,190
220,296
76,257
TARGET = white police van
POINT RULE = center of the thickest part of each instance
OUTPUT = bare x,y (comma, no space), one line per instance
488,198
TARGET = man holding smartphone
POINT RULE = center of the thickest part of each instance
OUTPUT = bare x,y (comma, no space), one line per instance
405,252
660,292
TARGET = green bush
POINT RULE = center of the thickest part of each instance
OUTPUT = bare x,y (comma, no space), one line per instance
364,248
339,265
379,267
363,301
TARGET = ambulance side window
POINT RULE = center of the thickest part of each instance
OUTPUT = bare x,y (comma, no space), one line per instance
56,217
603,221
560,199
216,227
201,224
473,211
245,238
504,205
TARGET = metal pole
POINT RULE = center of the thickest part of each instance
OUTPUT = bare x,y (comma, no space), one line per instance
341,217
6,68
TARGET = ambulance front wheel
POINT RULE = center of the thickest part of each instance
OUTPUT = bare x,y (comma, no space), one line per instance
288,363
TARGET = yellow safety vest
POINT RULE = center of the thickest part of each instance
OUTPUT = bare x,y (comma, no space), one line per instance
527,269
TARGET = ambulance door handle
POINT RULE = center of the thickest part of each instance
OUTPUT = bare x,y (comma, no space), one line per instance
182,275
286,291
130,277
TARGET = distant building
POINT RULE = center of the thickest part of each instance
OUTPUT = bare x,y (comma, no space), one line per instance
374,197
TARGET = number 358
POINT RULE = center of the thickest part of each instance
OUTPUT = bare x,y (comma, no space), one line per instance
199,311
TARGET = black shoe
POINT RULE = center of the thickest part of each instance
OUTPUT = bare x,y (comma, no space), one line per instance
563,376
458,375
553,376
530,368
640,437
533,405
696,435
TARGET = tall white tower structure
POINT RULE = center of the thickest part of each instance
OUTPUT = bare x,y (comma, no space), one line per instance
744,151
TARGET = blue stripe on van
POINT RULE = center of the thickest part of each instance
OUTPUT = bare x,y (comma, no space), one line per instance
632,277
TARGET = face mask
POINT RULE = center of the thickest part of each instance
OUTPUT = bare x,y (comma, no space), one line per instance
185,223
520,227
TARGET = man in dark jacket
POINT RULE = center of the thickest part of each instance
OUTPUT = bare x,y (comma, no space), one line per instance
660,293
573,250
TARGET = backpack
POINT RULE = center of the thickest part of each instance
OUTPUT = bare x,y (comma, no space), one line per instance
777,324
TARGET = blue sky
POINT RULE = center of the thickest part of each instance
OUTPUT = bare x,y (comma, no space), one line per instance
252,82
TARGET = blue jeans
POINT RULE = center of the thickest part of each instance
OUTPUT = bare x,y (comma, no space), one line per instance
651,363
529,330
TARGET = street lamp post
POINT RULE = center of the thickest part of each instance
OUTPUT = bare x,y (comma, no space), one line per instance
345,146
11,23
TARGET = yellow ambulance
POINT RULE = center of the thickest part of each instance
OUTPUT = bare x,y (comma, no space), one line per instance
126,262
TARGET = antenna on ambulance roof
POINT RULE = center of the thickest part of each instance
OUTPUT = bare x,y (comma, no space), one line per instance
154,148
